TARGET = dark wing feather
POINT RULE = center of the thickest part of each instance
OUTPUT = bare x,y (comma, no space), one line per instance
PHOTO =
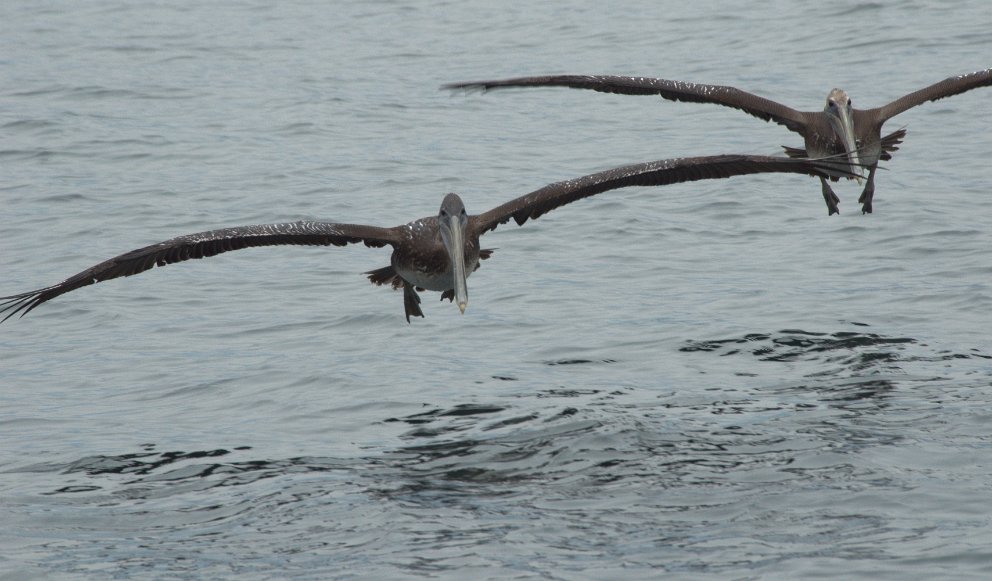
946,88
672,90
201,245
655,173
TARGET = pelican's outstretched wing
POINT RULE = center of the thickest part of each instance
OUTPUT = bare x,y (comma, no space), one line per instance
946,88
672,90
201,245
655,173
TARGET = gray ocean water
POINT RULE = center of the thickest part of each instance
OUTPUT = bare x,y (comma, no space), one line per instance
709,380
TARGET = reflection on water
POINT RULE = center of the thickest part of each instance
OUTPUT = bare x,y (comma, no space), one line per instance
596,461
583,436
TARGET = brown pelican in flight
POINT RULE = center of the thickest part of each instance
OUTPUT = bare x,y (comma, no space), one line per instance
435,253
838,129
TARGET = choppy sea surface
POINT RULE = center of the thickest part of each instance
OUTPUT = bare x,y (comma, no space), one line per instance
708,380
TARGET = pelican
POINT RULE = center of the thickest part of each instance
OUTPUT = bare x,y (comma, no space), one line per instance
838,129
434,253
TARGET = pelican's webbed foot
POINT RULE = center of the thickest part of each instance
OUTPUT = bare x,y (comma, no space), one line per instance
865,199
830,198
869,193
411,301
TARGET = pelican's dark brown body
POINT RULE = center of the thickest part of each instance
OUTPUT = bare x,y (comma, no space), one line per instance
420,262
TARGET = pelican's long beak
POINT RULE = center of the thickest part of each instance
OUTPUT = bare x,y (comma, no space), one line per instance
456,250
844,128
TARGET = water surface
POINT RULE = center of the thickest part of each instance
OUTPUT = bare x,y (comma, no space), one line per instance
704,380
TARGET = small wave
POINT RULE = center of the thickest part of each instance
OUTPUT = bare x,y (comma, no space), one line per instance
578,361
844,354
792,344
203,467
28,125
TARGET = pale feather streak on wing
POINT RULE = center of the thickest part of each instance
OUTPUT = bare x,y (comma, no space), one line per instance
655,173
750,103
200,245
